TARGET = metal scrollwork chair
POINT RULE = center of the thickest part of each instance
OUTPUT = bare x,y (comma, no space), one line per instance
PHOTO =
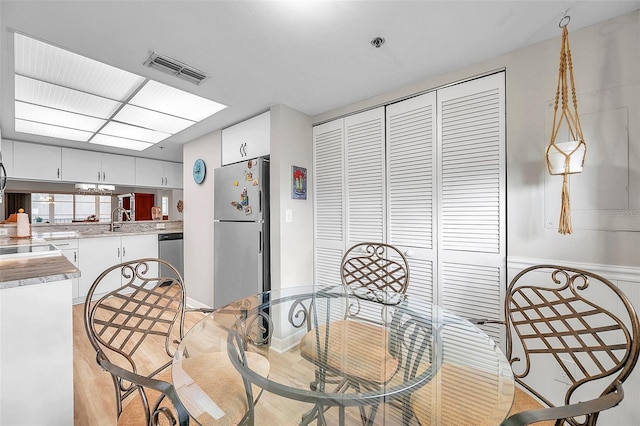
356,350
134,318
577,328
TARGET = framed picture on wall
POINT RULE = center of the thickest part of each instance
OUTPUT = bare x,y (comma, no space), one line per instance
298,183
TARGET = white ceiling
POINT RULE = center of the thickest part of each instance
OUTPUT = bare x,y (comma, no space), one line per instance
312,56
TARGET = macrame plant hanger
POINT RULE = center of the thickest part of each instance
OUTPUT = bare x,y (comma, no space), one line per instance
566,158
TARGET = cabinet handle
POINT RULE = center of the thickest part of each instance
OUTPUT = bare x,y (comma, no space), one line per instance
409,253
98,176
124,253
104,177
75,257
58,172
118,251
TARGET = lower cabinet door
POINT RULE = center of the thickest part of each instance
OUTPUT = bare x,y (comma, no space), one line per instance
98,254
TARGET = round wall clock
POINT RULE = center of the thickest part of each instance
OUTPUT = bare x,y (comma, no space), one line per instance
199,171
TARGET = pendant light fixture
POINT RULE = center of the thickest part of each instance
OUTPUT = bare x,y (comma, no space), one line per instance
566,157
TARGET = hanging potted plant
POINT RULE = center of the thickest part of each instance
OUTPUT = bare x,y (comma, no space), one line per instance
566,157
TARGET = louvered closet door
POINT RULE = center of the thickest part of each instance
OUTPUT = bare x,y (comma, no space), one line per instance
472,225
328,151
411,133
365,176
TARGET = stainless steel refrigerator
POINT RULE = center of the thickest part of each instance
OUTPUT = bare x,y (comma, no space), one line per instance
241,231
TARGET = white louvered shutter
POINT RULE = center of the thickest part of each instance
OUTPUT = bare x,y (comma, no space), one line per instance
365,176
472,211
410,134
328,152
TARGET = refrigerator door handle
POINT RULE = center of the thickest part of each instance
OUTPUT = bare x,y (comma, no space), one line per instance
260,203
260,242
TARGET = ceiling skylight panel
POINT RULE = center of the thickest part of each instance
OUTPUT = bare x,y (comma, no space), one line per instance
116,142
169,100
41,93
152,119
43,61
57,117
133,132
33,128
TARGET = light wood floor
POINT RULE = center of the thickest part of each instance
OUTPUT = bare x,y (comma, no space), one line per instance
94,398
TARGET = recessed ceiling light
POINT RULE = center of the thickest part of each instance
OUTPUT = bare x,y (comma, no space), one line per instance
100,139
41,93
169,100
46,115
133,132
152,119
61,94
25,126
52,64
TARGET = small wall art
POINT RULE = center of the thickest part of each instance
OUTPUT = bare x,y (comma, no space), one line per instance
298,183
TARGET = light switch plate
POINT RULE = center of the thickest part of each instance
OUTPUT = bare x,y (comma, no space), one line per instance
289,216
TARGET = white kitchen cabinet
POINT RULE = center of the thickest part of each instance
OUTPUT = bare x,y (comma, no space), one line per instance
36,162
6,148
172,174
69,249
157,173
248,139
95,167
81,166
99,253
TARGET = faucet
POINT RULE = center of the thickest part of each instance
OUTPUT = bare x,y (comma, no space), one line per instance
115,225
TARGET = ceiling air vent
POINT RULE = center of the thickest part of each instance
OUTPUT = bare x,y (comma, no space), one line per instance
177,68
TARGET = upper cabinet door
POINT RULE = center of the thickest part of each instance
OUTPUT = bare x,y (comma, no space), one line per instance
81,166
365,176
36,162
118,169
246,140
172,175
149,172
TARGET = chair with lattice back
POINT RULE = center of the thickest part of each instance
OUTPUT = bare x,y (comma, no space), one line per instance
134,317
373,272
568,325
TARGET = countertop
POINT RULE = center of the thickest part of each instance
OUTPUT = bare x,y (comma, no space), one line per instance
18,272
39,269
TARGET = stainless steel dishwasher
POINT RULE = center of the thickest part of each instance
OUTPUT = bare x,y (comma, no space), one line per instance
171,249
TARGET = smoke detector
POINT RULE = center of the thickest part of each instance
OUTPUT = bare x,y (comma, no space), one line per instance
177,68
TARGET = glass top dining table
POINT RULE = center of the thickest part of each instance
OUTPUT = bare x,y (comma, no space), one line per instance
311,355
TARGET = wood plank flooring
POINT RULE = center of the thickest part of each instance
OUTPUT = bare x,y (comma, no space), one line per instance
94,397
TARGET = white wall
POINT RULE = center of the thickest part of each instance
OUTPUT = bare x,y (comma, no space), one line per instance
291,242
198,219
605,56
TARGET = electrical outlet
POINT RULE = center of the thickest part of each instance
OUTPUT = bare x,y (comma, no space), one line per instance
160,225
4,231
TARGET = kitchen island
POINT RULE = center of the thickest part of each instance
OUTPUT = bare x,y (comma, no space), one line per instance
36,334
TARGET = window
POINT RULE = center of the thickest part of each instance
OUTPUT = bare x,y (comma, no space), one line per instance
66,208
165,205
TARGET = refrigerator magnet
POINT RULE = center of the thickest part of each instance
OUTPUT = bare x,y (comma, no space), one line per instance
247,210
